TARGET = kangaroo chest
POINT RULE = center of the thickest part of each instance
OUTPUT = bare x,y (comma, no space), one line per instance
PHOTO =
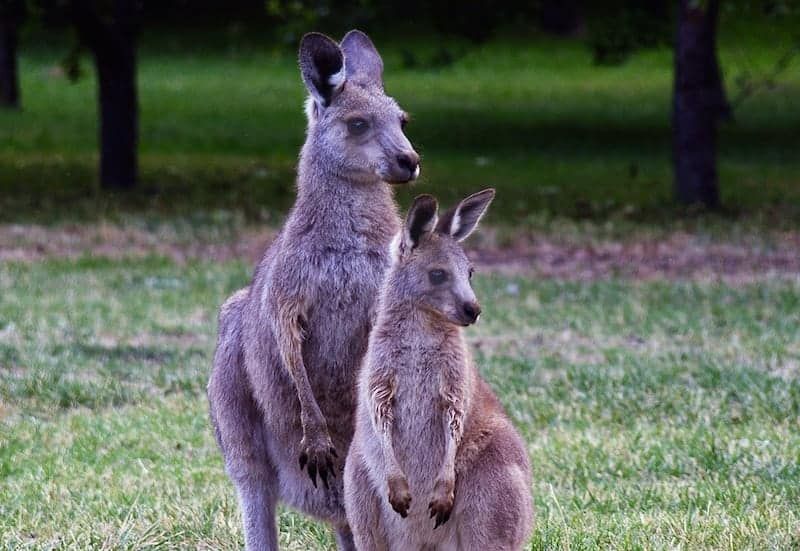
338,322
419,427
344,291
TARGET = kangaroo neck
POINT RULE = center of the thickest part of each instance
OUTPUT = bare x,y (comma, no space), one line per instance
407,323
340,212
326,186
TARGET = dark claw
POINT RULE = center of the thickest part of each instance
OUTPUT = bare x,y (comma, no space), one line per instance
330,467
303,460
333,452
312,472
399,511
323,475
441,518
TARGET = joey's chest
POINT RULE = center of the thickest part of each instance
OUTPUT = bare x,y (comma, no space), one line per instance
418,428
419,379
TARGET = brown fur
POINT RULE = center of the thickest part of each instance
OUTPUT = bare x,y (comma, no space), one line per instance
435,463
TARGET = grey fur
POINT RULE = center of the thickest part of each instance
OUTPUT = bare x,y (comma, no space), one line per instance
435,464
282,390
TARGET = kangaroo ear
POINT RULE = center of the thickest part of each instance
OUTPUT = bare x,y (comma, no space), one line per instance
322,67
460,221
364,63
421,219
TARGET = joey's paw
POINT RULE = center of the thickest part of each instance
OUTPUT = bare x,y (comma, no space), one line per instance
399,495
441,504
317,456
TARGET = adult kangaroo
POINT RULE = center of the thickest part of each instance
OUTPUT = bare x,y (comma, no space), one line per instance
282,391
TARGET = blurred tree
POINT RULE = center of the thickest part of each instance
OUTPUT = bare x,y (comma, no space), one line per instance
12,13
560,17
617,28
109,30
699,103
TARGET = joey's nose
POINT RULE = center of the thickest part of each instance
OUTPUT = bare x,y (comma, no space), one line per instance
409,161
472,311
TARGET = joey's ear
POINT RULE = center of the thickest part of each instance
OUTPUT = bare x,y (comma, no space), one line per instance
364,63
421,219
460,221
322,67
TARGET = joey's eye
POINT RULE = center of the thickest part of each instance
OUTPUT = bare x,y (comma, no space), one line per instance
437,277
357,126
403,121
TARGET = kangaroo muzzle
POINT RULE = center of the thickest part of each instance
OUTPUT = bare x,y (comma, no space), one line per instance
470,312
405,167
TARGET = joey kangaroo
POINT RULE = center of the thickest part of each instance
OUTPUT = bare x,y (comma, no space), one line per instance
435,464
282,390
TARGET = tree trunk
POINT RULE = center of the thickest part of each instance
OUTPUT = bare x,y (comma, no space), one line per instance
560,17
116,75
9,79
698,104
113,45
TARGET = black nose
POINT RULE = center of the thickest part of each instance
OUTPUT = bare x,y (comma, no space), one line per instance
409,161
472,310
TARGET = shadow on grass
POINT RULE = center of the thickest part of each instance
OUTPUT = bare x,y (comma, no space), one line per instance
580,171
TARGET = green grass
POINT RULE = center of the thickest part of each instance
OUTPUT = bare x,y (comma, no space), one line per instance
221,128
658,415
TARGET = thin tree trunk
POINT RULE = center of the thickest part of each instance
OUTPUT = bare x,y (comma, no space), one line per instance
698,104
9,78
116,75
560,17
113,46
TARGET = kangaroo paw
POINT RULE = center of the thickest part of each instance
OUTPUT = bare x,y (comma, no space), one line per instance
399,495
441,505
317,457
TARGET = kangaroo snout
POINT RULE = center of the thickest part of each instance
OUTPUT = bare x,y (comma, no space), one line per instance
471,312
407,168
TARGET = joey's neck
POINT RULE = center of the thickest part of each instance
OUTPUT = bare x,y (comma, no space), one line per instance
409,323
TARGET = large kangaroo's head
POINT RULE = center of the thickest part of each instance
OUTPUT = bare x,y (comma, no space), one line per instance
430,267
354,128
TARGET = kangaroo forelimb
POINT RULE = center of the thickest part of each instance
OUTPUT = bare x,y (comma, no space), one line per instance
317,448
441,503
381,393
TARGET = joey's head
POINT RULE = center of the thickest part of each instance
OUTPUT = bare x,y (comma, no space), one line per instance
354,129
430,267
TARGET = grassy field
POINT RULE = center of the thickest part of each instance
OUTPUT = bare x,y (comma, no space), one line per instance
659,415
221,124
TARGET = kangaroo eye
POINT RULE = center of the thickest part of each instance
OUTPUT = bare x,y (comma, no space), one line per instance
357,127
471,271
437,277
403,121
